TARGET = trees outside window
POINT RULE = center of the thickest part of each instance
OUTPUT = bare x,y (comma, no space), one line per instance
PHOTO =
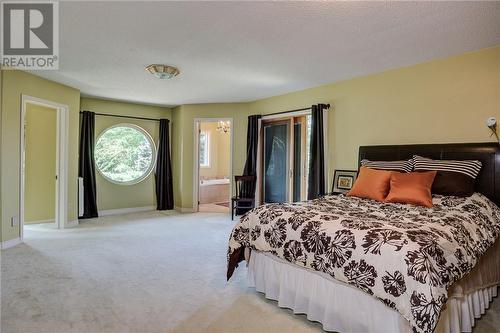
124,154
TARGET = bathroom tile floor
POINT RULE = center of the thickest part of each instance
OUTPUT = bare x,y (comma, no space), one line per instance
213,208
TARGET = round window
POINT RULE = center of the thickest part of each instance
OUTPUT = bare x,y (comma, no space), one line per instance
124,154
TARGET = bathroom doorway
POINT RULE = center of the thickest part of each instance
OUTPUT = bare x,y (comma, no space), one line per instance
213,141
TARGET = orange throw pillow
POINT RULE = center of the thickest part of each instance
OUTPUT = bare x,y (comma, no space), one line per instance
412,188
371,184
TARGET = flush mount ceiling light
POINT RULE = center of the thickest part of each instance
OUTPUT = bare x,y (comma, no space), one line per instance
163,71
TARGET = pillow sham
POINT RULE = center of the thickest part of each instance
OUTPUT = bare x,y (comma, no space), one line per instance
453,177
371,184
412,188
401,166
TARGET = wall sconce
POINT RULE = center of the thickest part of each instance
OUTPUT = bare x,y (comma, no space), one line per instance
492,125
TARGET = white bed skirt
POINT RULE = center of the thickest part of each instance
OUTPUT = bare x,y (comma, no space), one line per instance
342,308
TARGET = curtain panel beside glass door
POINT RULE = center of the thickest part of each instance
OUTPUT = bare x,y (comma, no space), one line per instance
317,167
86,164
250,169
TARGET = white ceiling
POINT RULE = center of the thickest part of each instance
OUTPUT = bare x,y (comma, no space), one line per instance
242,51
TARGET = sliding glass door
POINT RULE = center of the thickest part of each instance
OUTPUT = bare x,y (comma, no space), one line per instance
285,160
276,162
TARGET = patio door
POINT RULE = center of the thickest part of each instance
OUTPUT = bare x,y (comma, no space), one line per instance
284,160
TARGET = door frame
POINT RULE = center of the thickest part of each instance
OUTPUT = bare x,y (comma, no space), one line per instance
196,157
260,148
302,120
62,134
259,197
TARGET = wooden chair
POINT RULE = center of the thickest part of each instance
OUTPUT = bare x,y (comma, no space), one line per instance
244,200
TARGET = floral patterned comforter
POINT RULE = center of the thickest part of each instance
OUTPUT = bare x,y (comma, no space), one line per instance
404,255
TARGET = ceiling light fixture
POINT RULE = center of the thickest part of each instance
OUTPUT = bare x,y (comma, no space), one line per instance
163,71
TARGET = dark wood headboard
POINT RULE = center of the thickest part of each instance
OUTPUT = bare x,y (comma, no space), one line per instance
488,180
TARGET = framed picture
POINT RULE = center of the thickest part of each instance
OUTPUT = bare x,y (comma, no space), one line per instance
343,180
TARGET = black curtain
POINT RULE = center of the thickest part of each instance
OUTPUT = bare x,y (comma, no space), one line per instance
248,189
316,185
164,187
86,164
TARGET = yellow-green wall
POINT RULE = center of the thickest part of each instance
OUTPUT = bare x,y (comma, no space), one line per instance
15,84
40,164
183,118
114,196
1,155
219,149
445,100
440,101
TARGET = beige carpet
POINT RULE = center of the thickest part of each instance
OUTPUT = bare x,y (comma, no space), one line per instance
146,273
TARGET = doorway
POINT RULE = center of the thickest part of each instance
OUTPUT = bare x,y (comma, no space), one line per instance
43,163
213,165
285,159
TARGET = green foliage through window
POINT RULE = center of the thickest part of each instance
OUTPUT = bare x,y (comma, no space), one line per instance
124,154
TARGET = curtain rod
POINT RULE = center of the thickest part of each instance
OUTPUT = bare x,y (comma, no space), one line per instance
119,116
296,110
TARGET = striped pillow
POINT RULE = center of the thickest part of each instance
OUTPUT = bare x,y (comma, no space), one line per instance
469,168
453,177
401,166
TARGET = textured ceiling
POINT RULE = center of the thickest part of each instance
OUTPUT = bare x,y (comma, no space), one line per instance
242,51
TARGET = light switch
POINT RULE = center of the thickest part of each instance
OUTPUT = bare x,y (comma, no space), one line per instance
14,221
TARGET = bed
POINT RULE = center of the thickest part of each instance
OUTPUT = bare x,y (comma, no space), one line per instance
357,265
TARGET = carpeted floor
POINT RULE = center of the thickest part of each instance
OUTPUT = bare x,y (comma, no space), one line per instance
147,273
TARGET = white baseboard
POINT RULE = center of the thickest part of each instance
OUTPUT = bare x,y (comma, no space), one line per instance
184,210
120,211
10,243
72,224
